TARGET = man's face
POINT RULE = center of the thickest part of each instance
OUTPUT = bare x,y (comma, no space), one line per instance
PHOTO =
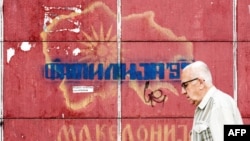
190,88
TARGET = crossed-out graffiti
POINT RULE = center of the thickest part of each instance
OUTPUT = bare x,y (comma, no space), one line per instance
96,42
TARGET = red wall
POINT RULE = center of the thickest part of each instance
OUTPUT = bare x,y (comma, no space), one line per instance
166,32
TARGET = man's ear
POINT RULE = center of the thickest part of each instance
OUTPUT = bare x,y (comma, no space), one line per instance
202,83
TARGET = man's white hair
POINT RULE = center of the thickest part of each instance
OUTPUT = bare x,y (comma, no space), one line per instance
200,69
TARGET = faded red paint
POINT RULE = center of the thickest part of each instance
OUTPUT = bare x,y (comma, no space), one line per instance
162,31
243,84
243,16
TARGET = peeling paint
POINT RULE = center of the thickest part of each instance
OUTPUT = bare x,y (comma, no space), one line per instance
25,46
10,54
49,17
76,51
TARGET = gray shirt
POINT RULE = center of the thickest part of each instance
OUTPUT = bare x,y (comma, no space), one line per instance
215,110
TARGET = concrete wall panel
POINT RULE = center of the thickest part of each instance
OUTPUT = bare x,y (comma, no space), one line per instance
110,70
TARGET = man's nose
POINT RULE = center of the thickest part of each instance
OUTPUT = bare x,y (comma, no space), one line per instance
183,91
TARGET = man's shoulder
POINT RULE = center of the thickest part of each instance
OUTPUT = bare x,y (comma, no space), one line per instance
222,98
221,95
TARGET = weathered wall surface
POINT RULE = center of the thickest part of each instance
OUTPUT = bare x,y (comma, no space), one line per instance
110,70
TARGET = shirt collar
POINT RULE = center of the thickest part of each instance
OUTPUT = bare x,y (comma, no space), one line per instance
206,98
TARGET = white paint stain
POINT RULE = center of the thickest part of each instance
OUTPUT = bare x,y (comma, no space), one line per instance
76,51
25,46
10,54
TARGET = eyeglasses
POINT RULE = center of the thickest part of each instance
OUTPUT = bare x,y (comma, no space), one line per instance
185,84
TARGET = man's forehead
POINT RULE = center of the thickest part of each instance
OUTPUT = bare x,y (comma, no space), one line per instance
185,74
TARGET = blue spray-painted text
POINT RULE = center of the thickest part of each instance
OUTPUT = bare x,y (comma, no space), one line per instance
135,71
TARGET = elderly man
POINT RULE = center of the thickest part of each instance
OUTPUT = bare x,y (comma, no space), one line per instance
214,108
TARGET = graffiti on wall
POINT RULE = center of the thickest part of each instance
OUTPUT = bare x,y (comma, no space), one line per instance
83,56
88,71
85,71
105,132
94,54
